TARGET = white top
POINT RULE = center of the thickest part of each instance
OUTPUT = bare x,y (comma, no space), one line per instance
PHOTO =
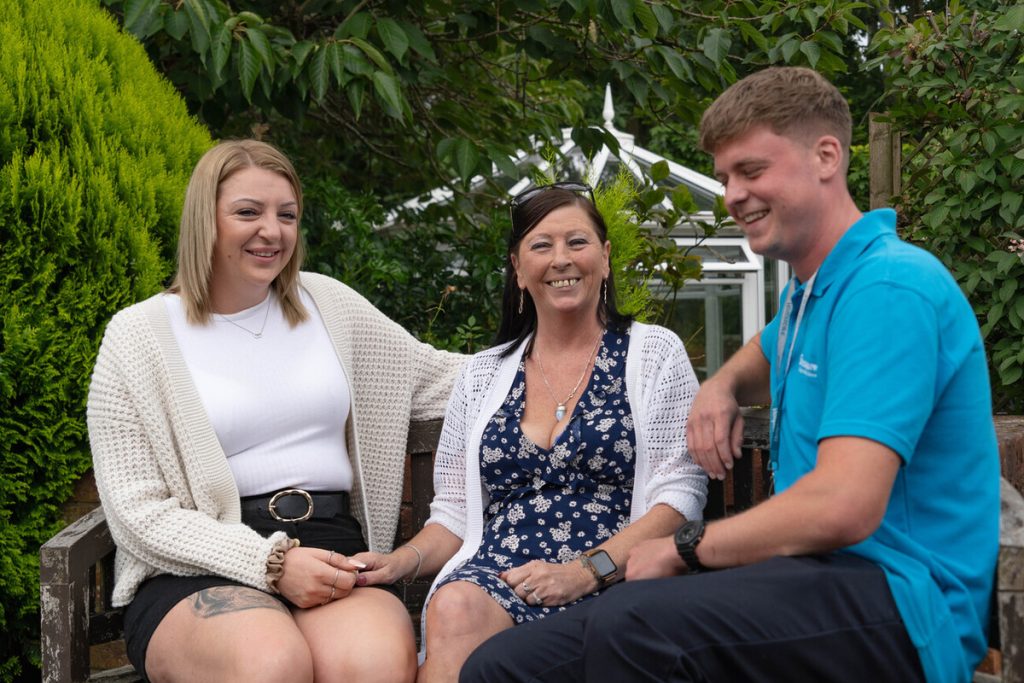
660,386
279,403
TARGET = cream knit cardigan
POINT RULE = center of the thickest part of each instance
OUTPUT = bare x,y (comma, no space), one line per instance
660,385
168,493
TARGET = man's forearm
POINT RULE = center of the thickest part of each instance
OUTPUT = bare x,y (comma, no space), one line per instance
837,504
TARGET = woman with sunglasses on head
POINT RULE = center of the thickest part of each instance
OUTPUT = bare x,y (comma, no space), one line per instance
563,446
248,434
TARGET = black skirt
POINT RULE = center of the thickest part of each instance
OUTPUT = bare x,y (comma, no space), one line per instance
156,597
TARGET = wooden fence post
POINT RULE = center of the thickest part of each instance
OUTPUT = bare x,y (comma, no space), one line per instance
884,154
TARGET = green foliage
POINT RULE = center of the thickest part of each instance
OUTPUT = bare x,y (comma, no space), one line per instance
399,97
957,86
425,273
94,153
858,177
656,254
615,201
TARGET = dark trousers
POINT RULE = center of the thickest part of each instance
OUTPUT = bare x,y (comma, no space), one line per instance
821,618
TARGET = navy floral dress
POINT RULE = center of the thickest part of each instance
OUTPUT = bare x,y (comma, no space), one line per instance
552,504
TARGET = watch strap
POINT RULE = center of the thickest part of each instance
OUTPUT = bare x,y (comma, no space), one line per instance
688,550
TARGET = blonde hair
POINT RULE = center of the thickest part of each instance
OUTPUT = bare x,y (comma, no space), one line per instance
791,100
198,228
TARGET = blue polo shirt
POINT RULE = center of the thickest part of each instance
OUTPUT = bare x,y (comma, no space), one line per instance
888,349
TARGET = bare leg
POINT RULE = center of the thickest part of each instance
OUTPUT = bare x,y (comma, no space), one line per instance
460,616
228,633
365,637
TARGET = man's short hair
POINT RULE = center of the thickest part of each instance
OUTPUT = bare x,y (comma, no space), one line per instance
789,100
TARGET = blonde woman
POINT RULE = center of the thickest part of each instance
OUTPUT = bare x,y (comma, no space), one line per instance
247,429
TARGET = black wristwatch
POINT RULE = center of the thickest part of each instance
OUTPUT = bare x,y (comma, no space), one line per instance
601,565
688,537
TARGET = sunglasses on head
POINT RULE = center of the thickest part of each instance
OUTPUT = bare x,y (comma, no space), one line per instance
523,198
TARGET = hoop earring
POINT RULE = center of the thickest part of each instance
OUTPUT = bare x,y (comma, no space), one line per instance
520,302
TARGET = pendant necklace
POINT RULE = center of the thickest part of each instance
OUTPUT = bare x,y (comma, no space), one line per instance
255,335
560,408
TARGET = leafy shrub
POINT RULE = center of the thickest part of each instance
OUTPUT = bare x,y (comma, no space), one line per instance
438,273
858,178
957,87
95,151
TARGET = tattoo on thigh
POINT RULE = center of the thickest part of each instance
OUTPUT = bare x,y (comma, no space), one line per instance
211,602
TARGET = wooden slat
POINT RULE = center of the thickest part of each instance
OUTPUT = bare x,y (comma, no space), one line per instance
65,571
77,547
64,641
1010,579
423,436
124,674
106,626
742,480
422,442
1010,434
715,506
422,488
885,163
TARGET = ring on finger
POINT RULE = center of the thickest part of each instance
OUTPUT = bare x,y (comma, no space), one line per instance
334,584
537,600
527,588
329,597
329,556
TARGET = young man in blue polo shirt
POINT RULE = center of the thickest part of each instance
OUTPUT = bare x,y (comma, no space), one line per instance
875,558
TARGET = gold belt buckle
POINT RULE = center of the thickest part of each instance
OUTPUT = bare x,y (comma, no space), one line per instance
272,508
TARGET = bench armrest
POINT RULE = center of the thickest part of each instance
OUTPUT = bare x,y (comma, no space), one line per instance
67,582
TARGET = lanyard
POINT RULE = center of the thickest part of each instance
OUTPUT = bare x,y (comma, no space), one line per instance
783,368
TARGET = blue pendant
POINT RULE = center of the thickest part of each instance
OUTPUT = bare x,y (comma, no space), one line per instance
559,412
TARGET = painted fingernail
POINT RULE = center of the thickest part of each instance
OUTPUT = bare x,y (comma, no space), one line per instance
357,563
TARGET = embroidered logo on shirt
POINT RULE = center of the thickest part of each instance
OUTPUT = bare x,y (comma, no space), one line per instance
807,367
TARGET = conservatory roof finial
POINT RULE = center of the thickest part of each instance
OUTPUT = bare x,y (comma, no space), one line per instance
609,108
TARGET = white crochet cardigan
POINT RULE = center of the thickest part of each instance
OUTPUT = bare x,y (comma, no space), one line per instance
660,385
164,481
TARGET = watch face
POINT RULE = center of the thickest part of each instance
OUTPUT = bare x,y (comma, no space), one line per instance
688,532
603,563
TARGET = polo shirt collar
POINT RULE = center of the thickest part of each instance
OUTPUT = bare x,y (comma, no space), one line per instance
871,226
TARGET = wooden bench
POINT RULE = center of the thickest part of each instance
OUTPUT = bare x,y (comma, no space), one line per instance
76,565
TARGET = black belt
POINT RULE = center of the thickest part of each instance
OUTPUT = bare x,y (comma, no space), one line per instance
296,505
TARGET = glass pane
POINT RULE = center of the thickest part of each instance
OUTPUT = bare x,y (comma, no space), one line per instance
610,170
708,318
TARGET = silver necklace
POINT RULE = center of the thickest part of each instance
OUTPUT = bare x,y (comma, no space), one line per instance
560,408
255,335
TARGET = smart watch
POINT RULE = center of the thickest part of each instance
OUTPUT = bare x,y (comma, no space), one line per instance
688,537
601,565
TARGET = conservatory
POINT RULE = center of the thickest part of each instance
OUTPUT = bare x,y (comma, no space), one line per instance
738,290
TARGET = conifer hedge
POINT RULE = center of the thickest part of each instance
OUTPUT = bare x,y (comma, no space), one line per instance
95,152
